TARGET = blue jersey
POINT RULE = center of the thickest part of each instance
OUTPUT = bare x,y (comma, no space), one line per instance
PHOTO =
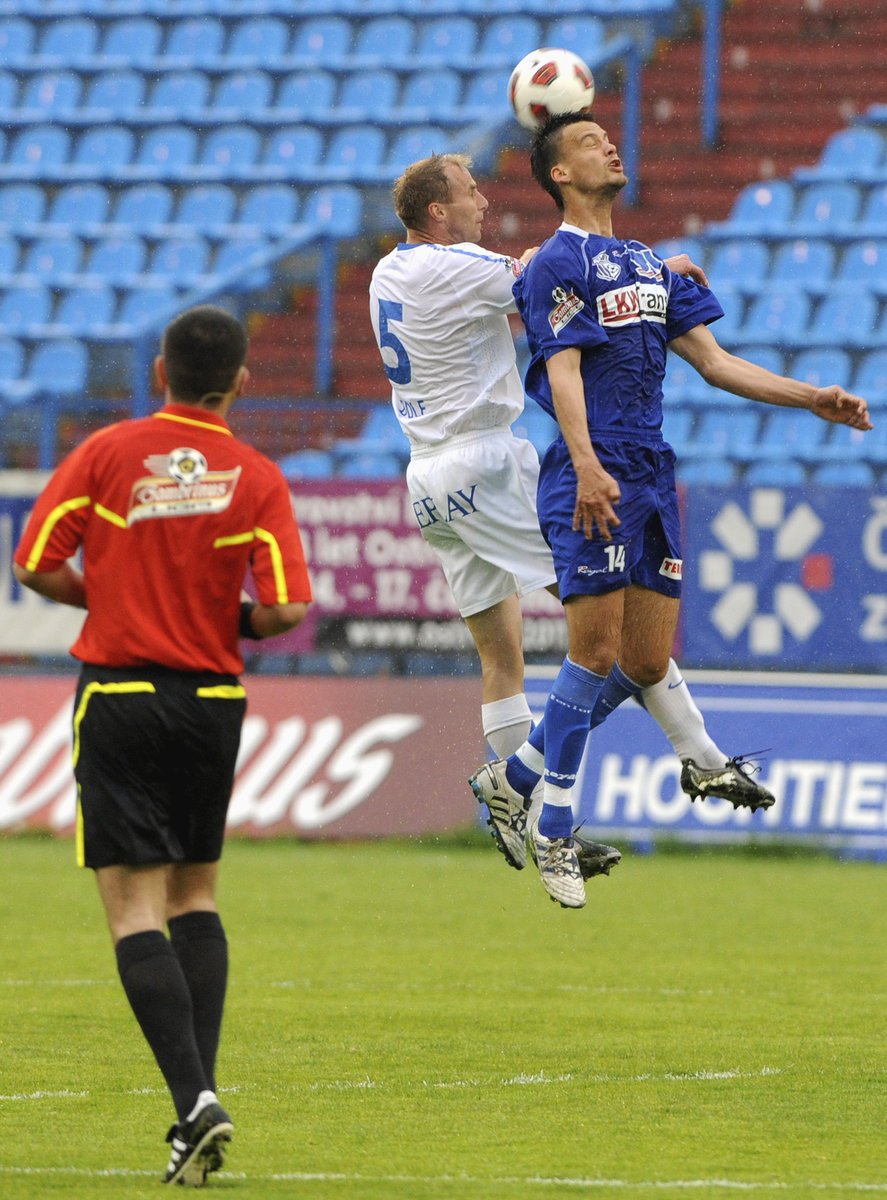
620,305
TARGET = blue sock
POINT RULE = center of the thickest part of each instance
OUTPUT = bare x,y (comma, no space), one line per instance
521,777
617,687
568,712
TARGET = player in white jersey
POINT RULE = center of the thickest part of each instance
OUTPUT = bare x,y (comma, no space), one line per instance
439,306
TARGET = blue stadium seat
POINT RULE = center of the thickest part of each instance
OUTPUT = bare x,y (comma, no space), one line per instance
486,93
234,254
677,427
68,41
536,426
870,380
310,93
231,151
414,143
144,205
260,40
179,94
12,359
731,327
101,151
134,41
865,263
770,357
307,464
725,433
873,219
741,261
507,39
847,317
335,209
197,41
761,208
21,204
9,255
446,41
150,302
432,92
293,152
118,260
165,150
371,466
24,306
368,94
698,250
180,261
775,472
50,259
207,207
244,93
844,475
8,90
706,472
84,310
807,262
386,39
355,152
856,153
39,151
791,433
382,426
51,93
118,94
272,207
777,316
847,445
583,35
825,209
318,38
683,384
823,367
60,367
17,37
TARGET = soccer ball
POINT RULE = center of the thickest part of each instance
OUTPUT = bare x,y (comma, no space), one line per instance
548,82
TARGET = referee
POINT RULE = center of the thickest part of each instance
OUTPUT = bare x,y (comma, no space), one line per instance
170,512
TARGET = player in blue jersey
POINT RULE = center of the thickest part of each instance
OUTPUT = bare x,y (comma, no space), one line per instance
600,314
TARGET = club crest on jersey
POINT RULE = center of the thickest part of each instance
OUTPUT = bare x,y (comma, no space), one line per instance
605,268
566,306
631,304
672,568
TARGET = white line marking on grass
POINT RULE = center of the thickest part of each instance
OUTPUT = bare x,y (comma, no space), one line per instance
627,1185
44,1095
53,983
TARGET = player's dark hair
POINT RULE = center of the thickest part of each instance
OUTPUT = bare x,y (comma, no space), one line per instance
545,151
422,183
203,349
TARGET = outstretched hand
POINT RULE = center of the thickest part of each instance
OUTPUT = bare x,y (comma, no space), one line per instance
843,408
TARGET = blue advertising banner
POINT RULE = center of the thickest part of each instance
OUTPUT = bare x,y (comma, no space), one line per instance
820,742
785,578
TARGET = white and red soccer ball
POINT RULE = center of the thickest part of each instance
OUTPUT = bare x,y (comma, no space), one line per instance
548,82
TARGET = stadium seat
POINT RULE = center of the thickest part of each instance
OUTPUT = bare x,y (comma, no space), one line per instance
180,261
233,255
197,41
119,261
486,92
845,318
230,152
683,384
809,263
506,40
38,152
770,357
775,472
825,209
179,94
207,207
321,38
83,310
293,152
413,143
68,41
677,428
336,210
870,380
310,93
432,92
116,95
50,259
21,205
368,95
385,40
370,466
583,35
698,250
355,152
865,264
271,207
149,303
244,93
307,464
17,37
536,426
823,367
730,326
259,40
12,359
101,151
777,316
165,151
133,41
23,307
873,219
844,475
706,472
143,206
760,208
445,41
382,426
9,255
725,433
846,445
855,153
791,433
740,261
51,93
8,91
60,367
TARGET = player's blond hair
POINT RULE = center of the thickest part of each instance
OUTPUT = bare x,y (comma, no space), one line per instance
422,183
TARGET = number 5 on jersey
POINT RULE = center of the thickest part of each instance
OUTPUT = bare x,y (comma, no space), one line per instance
391,310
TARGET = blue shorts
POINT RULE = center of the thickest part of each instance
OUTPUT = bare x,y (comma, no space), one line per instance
646,547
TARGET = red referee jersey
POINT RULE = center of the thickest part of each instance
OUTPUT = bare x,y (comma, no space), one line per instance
170,510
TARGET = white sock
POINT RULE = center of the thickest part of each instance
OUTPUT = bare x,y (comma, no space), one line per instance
672,707
506,724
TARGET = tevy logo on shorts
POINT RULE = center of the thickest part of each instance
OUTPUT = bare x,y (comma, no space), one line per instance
631,304
672,568
180,485
566,306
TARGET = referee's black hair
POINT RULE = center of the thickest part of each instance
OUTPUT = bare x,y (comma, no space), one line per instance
545,149
203,349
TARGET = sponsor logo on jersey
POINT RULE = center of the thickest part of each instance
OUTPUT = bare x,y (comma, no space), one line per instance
605,268
180,485
631,304
566,306
672,568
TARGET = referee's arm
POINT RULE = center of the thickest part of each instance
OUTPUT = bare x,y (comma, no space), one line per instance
268,620
64,584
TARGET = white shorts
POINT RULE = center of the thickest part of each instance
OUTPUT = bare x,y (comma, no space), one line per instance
475,502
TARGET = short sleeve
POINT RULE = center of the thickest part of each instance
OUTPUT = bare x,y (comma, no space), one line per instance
689,304
557,310
57,522
480,279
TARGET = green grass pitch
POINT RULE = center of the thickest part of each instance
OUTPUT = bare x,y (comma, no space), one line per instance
417,1022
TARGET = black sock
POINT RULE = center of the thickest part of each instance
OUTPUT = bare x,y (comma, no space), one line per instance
199,942
155,986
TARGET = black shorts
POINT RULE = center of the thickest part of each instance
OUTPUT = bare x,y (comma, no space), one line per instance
154,758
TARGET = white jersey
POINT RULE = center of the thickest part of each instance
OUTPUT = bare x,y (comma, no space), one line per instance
439,314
